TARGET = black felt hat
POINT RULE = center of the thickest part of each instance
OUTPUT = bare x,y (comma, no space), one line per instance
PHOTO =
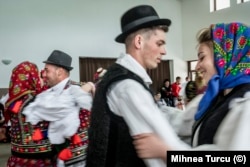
142,16
60,59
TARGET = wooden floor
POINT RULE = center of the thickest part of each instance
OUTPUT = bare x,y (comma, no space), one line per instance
4,153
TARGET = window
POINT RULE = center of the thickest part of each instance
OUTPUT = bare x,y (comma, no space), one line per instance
242,1
191,69
219,4
193,64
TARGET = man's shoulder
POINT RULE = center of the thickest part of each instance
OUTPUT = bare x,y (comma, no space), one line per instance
74,87
173,84
76,83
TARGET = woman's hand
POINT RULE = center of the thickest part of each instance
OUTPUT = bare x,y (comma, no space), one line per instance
89,87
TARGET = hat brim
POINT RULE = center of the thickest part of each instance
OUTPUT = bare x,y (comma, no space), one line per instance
121,38
65,67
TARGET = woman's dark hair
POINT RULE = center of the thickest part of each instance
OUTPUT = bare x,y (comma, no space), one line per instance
191,90
165,80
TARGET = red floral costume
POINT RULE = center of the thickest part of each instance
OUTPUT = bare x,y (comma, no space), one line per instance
27,150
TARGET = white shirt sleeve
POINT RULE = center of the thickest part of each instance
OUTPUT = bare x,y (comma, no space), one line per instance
82,98
130,100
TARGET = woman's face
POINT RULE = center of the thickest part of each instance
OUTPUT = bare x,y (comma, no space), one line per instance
205,63
167,83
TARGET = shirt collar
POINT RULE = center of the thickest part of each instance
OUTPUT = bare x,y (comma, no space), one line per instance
58,88
130,63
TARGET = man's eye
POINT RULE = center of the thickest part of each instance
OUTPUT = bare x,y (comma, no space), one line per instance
201,58
160,44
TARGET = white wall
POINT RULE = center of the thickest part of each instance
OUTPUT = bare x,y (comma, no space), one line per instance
196,15
32,29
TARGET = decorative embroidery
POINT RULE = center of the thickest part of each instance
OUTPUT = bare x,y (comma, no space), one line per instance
24,80
21,133
78,150
17,106
231,43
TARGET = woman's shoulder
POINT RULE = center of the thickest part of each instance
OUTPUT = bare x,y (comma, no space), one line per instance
239,101
233,133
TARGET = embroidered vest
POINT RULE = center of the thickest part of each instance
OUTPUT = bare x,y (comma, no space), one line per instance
79,149
110,143
22,144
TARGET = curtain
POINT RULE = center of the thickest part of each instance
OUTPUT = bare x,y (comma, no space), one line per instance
88,67
159,74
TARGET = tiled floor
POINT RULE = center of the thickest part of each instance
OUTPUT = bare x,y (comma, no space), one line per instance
4,153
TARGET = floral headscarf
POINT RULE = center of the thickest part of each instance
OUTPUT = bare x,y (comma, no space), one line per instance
232,60
24,80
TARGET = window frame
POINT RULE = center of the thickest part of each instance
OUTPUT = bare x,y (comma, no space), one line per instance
214,5
191,72
242,1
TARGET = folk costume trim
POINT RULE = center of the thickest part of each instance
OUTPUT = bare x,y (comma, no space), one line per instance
22,143
71,143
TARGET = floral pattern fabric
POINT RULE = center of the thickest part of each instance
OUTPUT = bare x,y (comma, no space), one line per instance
24,80
232,60
14,161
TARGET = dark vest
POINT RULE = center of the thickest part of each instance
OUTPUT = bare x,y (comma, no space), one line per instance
215,114
110,144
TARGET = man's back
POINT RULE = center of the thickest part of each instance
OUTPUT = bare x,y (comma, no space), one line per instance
109,138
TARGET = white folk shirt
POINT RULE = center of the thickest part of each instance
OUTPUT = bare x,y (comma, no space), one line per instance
61,108
130,100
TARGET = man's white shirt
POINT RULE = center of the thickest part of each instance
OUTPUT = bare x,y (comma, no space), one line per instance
130,100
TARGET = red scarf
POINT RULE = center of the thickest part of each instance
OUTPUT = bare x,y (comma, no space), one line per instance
24,80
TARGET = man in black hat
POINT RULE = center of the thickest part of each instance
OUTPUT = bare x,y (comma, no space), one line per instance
60,62
67,110
123,104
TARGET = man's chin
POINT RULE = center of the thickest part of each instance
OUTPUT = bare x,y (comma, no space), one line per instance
154,66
